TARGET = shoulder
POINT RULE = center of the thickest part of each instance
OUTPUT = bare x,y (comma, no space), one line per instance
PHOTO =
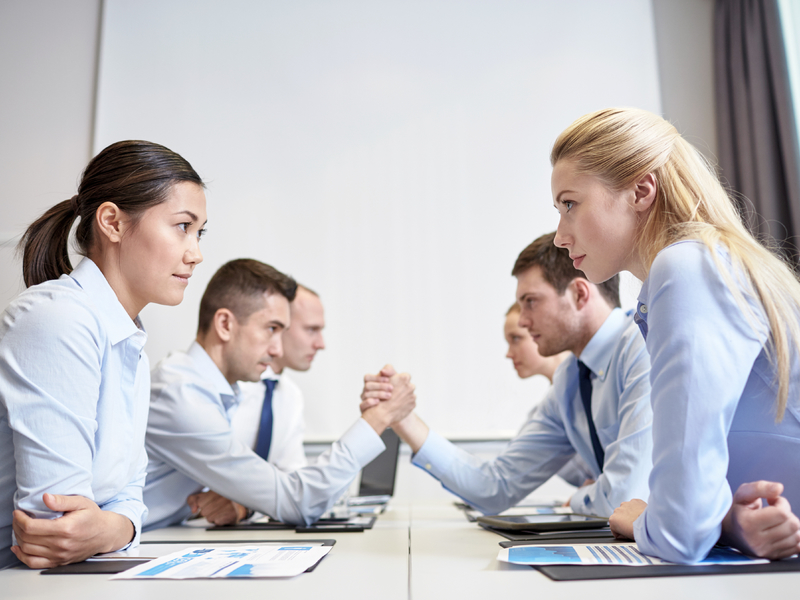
688,262
56,311
177,368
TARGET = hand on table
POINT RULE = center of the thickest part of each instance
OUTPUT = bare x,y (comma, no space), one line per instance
770,531
621,520
215,508
82,531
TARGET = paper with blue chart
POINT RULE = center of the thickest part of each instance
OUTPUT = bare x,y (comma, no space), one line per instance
607,554
249,561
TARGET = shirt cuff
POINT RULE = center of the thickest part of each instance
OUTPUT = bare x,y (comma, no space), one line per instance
362,442
436,455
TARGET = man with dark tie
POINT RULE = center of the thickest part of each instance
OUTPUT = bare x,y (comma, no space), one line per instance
276,400
598,406
244,313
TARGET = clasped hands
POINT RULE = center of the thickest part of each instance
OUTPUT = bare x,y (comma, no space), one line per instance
387,398
767,531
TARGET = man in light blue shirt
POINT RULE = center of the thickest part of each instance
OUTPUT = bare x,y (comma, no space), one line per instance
243,313
563,311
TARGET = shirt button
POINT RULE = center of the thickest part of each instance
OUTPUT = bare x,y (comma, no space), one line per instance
600,373
428,466
643,309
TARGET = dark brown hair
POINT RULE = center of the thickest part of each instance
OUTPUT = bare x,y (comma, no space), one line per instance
239,285
557,269
133,174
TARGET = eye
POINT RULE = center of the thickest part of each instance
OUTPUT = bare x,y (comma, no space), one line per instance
201,233
568,204
184,227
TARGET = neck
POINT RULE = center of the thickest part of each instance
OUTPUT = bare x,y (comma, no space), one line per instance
215,350
552,364
594,317
108,263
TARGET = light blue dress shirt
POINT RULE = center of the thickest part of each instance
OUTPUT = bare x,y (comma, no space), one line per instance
191,446
557,429
74,390
713,404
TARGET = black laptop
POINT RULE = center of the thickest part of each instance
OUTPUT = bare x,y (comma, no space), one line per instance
377,478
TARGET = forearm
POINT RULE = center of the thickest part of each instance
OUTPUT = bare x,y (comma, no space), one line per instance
413,431
377,419
118,532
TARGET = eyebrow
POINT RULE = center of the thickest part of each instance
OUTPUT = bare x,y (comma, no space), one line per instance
278,323
191,215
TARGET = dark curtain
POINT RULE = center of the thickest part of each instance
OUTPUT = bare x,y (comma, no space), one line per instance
758,147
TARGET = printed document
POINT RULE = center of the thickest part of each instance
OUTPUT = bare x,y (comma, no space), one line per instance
608,554
229,561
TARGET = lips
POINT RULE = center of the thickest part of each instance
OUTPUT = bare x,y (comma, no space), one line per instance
577,260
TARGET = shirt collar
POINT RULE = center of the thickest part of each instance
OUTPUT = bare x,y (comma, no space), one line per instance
118,323
600,350
229,394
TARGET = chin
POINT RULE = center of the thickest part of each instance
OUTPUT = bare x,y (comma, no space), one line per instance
171,300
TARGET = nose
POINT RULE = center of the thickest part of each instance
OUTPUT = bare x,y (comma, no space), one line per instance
561,239
275,349
509,353
193,256
320,344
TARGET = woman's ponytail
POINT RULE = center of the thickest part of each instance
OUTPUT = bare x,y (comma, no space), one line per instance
45,245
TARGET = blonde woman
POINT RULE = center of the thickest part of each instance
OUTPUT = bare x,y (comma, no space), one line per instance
719,312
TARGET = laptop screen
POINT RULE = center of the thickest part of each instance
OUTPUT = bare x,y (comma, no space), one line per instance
377,478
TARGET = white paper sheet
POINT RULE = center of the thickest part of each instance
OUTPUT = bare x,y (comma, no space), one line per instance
229,561
607,554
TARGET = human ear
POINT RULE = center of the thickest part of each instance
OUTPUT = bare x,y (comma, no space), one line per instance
644,193
110,221
580,291
224,322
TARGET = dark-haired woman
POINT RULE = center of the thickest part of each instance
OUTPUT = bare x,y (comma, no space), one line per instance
74,379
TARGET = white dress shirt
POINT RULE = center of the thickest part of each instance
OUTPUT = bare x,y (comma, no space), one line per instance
713,403
286,450
191,446
558,429
74,391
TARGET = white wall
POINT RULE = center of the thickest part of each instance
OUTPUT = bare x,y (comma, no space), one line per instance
393,156
454,150
684,35
47,70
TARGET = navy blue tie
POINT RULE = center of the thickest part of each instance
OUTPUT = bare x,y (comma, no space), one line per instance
585,378
265,429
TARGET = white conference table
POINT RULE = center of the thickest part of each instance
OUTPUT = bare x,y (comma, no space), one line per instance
421,548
